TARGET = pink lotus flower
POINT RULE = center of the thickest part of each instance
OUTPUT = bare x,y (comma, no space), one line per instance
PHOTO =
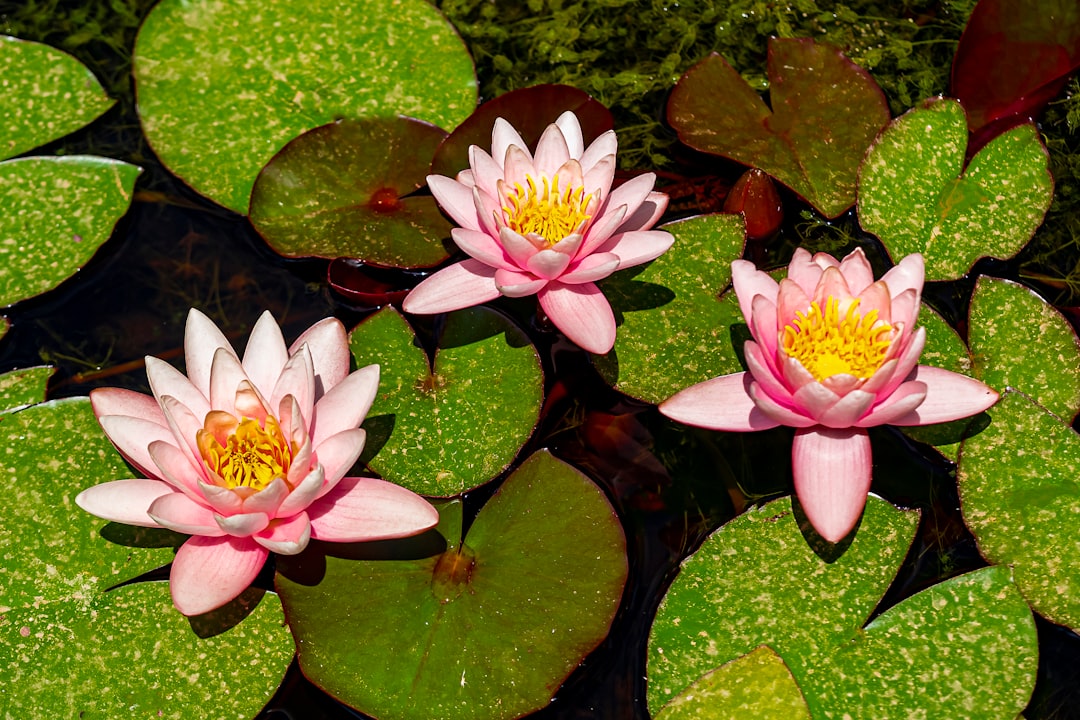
833,353
249,456
544,224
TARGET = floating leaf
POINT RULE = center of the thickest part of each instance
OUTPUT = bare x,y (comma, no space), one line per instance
674,331
45,93
1020,494
71,649
337,191
488,627
756,581
20,388
529,110
952,215
756,685
222,86
1005,317
57,212
442,428
826,110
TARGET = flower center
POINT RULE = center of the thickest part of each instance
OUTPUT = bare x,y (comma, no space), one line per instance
828,345
548,212
252,455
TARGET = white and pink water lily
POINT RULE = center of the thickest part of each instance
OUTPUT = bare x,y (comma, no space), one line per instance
249,456
833,353
545,223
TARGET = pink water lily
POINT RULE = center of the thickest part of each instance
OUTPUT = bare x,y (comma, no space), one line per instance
833,353
249,456
546,224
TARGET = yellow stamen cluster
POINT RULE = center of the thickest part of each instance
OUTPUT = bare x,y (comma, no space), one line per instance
252,455
828,345
548,212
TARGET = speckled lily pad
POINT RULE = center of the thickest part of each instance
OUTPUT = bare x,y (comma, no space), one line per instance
222,86
917,196
57,212
485,626
439,430
674,330
69,647
45,93
20,388
1005,319
1020,496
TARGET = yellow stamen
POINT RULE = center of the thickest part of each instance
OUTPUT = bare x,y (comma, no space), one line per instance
827,345
546,212
252,456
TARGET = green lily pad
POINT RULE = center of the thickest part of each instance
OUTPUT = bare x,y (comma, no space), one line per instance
1020,495
756,581
952,215
337,191
756,685
825,112
222,86
57,212
674,330
962,648
488,627
71,649
1004,320
20,388
444,427
45,93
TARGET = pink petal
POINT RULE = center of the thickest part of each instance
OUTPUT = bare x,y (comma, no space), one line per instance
208,572
647,214
603,146
265,353
483,247
132,437
815,399
185,427
832,285
763,327
222,500
569,175
242,524
338,452
201,340
226,374
167,380
776,410
268,500
361,509
856,268
346,406
909,274
598,178
518,284
795,374
804,272
571,131
456,200
832,478
582,313
304,494
630,194
503,136
908,360
518,247
639,246
722,403
905,308
517,166
547,264
489,209
467,283
846,412
329,348
764,375
117,401
124,501
286,537
551,150
875,296
298,380
177,468
749,282
592,268
485,171
790,301
178,512
949,396
906,398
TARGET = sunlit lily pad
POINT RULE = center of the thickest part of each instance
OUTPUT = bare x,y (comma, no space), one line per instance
1006,318
337,191
757,685
68,648
222,86
485,628
1020,495
45,93
20,388
825,112
951,214
674,330
442,429
57,212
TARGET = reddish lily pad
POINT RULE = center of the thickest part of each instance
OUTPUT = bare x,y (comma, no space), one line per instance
442,427
489,627
951,214
368,285
1014,57
674,330
825,112
1020,495
222,86
529,110
1004,319
45,93
20,388
339,191
69,647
